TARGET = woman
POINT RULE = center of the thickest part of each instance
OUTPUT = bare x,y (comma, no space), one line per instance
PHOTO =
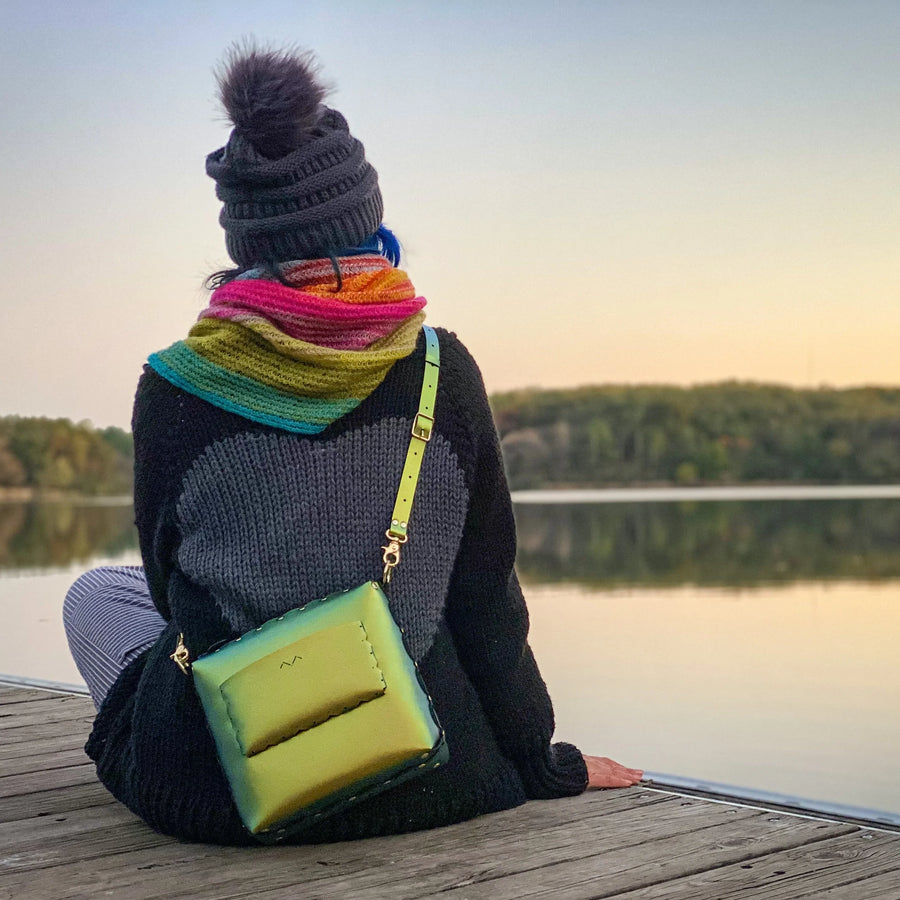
268,448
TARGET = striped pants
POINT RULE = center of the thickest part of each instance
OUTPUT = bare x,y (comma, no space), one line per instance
109,620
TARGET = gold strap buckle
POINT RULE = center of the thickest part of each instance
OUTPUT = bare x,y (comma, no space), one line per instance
422,425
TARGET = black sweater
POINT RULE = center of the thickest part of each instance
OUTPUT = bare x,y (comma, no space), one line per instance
239,521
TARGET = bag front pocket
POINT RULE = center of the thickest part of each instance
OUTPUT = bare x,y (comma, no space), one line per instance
302,685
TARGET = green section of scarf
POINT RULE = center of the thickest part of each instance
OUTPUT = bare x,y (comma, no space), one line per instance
251,366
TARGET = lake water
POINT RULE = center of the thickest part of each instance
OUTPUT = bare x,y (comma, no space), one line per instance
751,644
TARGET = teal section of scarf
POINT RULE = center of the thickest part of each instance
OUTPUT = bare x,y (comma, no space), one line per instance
244,396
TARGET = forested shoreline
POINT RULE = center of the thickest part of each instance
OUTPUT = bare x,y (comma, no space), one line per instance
53,457
601,436
724,433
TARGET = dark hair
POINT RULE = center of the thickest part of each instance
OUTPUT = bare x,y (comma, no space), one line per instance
269,269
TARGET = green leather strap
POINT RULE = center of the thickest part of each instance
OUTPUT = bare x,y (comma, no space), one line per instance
421,435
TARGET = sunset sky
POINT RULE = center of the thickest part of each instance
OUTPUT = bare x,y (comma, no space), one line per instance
586,192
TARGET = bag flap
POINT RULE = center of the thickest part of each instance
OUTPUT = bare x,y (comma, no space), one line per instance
301,685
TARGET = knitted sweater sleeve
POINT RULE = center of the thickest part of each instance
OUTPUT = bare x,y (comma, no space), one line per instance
489,620
153,508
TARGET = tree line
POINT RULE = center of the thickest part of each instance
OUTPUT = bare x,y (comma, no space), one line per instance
58,455
726,433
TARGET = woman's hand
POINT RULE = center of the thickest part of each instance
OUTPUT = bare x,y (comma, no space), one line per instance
606,773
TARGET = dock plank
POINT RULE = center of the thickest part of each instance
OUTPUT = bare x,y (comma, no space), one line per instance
804,871
54,801
63,836
62,708
885,886
579,871
43,760
41,706
17,835
33,782
86,834
10,695
26,756
64,728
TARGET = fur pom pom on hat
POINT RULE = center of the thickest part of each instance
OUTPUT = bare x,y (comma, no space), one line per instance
293,181
272,98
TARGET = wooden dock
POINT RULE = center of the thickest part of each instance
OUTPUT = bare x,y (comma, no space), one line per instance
62,836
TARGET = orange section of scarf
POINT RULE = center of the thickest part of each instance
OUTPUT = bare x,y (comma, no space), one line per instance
365,279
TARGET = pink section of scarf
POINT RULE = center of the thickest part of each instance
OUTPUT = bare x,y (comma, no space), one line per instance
374,301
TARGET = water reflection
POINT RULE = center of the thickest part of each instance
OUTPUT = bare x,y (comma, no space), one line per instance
732,543
604,545
56,535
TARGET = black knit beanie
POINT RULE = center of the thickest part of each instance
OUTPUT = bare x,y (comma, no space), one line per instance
293,181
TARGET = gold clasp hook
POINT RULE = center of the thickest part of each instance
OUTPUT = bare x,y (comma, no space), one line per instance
181,657
391,555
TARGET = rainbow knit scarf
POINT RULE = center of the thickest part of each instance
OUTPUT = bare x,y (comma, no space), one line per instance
298,357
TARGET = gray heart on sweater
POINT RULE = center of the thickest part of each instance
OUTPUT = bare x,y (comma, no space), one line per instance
272,521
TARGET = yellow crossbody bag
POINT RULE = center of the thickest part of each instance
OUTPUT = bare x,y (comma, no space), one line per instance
323,707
